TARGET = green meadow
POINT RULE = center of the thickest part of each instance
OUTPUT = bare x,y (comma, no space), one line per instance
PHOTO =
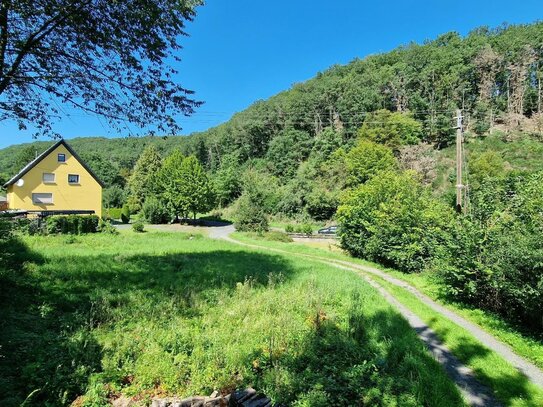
91,318
509,386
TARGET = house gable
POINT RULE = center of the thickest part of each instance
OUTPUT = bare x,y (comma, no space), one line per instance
57,180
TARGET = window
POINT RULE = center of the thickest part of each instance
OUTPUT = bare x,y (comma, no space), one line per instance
42,198
62,158
48,178
73,179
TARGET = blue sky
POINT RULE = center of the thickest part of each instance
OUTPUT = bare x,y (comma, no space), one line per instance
240,51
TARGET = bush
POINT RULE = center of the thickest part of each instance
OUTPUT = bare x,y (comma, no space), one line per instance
249,215
6,229
276,236
154,211
114,196
27,226
289,228
321,204
138,226
272,236
125,214
393,219
114,213
72,224
305,229
105,226
495,259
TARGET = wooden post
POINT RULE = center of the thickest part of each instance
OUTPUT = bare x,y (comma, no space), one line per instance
459,160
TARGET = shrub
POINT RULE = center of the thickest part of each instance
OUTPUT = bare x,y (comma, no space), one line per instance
138,226
306,229
154,211
114,196
289,228
125,214
105,226
249,215
114,213
495,259
215,216
321,204
27,226
272,236
6,229
276,236
393,219
71,224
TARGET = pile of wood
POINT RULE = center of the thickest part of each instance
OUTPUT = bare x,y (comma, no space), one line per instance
240,398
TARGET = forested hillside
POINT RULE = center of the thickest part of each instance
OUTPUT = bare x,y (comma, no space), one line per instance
493,74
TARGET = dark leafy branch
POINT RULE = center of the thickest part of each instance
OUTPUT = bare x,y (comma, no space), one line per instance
103,57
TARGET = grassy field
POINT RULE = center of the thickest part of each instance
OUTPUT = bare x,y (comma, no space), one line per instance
89,318
512,388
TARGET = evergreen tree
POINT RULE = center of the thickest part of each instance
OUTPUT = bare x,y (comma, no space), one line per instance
143,181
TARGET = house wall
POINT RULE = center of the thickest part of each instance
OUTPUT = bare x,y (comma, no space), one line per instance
87,195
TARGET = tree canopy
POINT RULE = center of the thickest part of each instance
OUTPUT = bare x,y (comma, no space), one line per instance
107,58
143,181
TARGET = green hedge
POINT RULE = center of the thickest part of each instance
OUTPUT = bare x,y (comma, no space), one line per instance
125,214
113,213
71,224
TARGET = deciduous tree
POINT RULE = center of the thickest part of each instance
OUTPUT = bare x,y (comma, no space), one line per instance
195,187
104,57
170,180
143,181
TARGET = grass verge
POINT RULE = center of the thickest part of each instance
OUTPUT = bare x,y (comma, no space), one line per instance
510,386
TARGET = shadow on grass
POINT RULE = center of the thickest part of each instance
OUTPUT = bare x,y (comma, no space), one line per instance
50,308
508,388
376,360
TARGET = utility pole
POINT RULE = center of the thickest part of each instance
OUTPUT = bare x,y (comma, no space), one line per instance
459,159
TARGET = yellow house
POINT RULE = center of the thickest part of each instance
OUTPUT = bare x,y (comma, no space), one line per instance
57,181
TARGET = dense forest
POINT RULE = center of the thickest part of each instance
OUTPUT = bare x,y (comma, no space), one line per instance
368,145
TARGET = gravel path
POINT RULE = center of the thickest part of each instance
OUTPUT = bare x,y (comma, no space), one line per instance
474,392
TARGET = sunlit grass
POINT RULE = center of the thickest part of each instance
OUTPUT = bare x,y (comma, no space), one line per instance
510,386
161,313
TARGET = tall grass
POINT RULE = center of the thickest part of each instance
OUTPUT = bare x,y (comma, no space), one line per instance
509,385
157,313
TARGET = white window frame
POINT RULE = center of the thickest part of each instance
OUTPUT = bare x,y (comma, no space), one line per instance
43,200
45,181
73,175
